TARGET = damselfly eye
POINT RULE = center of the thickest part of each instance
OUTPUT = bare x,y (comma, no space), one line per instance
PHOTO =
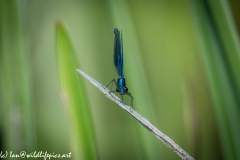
117,89
125,90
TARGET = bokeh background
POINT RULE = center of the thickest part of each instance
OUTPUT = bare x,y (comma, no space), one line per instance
181,62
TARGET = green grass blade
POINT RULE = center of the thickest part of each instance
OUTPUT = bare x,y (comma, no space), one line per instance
18,121
229,40
223,92
74,96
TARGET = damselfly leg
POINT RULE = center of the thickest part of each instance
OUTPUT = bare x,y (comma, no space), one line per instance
112,85
129,94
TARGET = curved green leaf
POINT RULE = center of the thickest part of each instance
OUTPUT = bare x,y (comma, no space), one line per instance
73,95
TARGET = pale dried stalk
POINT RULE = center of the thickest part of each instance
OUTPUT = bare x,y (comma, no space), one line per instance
165,139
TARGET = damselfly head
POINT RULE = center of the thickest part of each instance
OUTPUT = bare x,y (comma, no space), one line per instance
122,90
115,30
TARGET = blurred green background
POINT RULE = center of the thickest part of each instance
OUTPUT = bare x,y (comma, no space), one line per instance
181,62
